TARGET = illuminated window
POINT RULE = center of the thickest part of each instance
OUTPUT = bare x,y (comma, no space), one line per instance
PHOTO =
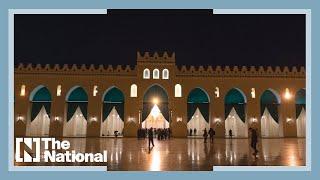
134,91
95,90
155,74
23,90
146,74
177,90
253,93
59,90
165,74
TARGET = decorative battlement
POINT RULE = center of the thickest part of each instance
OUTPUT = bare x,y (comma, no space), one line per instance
156,58
243,71
76,69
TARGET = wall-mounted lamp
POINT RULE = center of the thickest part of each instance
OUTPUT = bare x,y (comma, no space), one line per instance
131,119
287,94
179,119
216,92
23,90
59,90
289,120
253,93
95,90
217,120
20,118
254,120
94,119
57,118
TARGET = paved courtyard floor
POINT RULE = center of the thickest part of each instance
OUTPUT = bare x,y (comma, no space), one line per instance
189,154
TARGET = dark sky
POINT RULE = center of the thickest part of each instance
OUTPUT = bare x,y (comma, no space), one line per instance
197,36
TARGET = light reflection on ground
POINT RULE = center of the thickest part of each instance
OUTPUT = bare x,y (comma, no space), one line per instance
189,154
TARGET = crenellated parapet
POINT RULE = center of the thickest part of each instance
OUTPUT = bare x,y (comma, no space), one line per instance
75,69
243,71
147,57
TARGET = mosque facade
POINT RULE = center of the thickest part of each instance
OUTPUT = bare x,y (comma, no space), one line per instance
104,100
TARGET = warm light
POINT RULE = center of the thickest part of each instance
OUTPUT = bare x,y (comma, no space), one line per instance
217,120
155,111
23,90
56,118
216,92
59,90
287,94
289,120
20,118
95,90
93,119
253,93
179,119
155,101
254,120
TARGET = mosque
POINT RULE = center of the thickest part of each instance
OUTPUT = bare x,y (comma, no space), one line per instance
101,100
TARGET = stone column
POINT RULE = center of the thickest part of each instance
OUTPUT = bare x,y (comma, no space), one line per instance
217,115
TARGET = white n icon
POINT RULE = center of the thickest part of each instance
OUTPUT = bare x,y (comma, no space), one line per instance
28,142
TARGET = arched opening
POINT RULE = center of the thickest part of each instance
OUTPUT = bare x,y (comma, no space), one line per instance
235,114
155,112
146,73
112,113
269,108
198,112
301,112
134,90
165,74
40,99
155,74
76,121
177,90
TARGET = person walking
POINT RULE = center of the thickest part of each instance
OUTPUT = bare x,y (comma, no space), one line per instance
150,137
205,135
254,140
211,134
230,133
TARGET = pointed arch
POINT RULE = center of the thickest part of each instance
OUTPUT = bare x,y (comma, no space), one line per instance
198,98
235,98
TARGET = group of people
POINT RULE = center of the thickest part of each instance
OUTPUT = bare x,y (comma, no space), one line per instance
210,133
161,134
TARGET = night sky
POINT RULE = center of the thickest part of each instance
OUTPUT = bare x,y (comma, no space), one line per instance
198,37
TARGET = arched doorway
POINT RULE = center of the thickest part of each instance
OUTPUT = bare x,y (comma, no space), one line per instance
235,113
269,108
198,112
76,121
301,112
155,112
112,113
40,99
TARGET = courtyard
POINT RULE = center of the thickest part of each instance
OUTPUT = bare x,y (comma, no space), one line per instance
188,154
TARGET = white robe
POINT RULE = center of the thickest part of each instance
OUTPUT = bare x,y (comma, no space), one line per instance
76,126
301,124
269,127
111,124
238,127
197,122
40,125
155,119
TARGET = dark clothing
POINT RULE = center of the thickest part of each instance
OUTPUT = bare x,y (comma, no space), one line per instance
230,133
205,135
254,140
211,133
150,137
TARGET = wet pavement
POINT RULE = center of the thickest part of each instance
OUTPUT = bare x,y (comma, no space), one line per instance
186,154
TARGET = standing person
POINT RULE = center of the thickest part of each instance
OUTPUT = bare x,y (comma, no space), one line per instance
195,131
150,136
190,132
211,134
230,133
205,135
254,140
